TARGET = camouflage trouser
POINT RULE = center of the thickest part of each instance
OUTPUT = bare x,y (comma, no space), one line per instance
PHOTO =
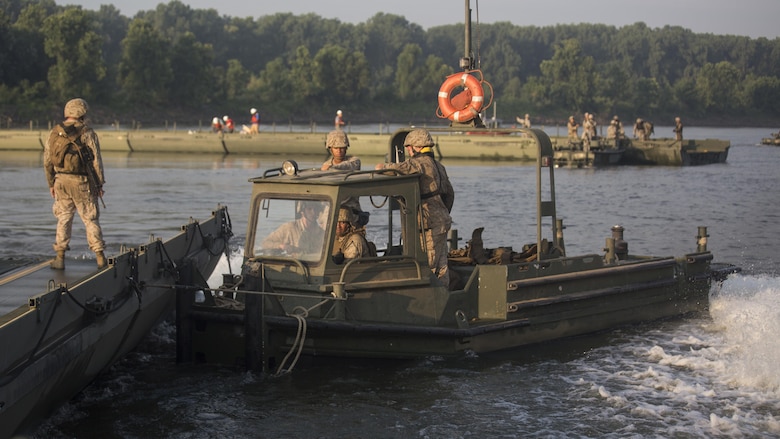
71,194
436,243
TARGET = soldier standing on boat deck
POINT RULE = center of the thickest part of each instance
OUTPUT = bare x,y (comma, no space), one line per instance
678,128
74,172
437,197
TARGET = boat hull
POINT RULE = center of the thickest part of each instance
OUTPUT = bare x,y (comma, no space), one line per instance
670,152
517,305
57,342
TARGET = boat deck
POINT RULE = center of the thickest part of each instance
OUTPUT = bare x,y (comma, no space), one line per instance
19,283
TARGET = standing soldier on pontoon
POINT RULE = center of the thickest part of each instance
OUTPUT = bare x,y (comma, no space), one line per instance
524,123
639,129
615,130
74,172
587,129
678,129
573,128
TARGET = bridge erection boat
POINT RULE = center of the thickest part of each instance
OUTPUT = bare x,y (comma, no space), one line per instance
304,301
60,328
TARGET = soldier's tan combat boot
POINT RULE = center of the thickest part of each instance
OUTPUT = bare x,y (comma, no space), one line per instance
101,260
59,261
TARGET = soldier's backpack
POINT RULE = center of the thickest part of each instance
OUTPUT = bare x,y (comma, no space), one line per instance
64,151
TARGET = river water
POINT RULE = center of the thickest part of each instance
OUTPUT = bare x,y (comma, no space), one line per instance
713,376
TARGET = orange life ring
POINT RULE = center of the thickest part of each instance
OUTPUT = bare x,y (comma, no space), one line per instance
473,88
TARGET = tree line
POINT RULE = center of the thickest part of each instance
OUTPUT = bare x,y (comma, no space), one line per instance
176,61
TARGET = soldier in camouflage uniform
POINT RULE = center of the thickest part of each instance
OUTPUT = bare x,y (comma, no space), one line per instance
572,127
437,197
350,240
678,129
337,143
300,237
69,181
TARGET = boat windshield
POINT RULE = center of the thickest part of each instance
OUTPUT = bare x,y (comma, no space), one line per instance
291,228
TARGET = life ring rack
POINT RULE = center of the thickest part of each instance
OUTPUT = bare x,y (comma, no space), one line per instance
473,89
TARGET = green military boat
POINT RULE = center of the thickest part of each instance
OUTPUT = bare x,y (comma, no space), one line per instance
60,328
287,304
657,152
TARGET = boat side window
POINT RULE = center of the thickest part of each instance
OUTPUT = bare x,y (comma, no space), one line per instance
291,228
384,227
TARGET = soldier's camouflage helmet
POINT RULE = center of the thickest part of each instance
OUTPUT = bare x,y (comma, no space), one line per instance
345,215
337,139
76,108
418,138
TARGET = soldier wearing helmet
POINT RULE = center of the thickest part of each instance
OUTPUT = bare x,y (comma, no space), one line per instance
350,239
573,127
639,129
678,129
74,172
301,236
437,197
337,143
615,129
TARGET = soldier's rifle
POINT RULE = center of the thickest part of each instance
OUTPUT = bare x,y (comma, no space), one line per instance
86,157
92,178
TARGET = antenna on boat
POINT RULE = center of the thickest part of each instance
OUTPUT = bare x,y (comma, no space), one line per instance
463,109
467,62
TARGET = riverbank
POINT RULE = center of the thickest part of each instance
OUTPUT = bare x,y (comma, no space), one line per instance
165,119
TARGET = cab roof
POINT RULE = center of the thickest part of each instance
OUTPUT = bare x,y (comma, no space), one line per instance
333,178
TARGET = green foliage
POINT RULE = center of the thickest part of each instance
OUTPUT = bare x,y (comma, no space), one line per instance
300,67
145,69
569,77
192,69
341,76
236,79
70,38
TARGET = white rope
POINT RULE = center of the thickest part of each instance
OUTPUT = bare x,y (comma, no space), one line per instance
300,313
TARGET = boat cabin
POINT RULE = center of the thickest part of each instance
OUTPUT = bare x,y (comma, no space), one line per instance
293,221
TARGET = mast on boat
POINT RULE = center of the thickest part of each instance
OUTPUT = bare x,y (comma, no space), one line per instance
463,107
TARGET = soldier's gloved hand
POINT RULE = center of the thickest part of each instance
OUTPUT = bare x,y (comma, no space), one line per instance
338,257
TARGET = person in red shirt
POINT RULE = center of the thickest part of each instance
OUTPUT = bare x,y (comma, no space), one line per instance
339,121
229,125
